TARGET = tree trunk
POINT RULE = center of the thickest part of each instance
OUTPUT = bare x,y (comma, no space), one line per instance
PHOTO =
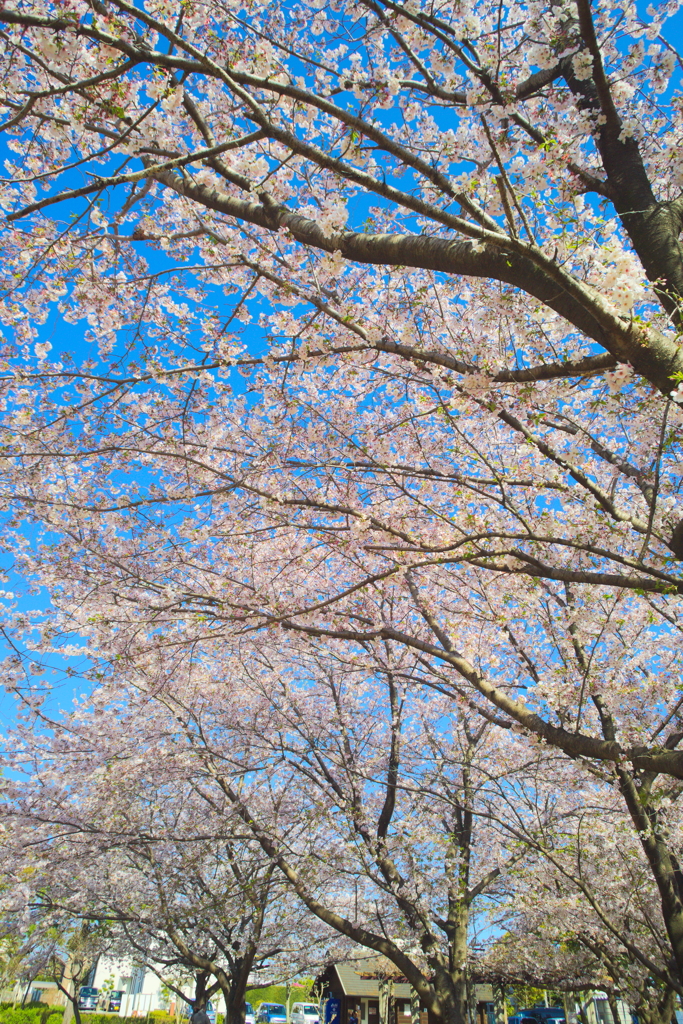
414,1007
234,1000
662,864
451,994
26,992
450,982
635,788
383,987
234,1011
657,1006
500,1004
614,1010
67,985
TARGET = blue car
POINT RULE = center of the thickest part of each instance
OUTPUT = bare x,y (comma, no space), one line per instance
271,1013
539,1015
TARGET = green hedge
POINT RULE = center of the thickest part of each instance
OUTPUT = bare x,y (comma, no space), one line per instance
35,1014
267,994
278,993
88,1017
30,1008
42,1014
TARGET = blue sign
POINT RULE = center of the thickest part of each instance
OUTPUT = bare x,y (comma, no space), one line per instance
333,1011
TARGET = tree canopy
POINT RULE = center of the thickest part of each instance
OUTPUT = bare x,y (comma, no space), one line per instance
374,356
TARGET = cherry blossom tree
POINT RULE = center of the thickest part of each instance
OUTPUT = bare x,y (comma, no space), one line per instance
590,919
404,788
457,233
370,798
590,670
596,476
477,132
47,942
122,848
385,800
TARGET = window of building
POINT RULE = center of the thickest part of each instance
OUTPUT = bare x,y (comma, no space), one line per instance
137,980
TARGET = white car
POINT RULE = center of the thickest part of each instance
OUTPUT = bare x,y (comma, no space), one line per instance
249,1015
304,1013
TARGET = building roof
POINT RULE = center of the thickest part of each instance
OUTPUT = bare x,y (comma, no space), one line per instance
362,978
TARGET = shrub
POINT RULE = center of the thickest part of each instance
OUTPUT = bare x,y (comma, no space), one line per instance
267,994
88,1017
37,1013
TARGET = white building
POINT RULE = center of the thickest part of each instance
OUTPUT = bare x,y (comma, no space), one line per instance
114,986
129,990
118,987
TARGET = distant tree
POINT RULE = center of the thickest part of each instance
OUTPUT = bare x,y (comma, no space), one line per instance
143,854
374,804
48,944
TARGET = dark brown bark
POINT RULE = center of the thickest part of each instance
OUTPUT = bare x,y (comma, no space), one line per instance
451,993
653,226
656,357
659,857
656,1006
636,792
575,744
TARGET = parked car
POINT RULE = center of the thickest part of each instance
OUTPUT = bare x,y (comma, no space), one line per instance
87,998
539,1015
249,1016
114,1001
271,1013
546,1015
304,1013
